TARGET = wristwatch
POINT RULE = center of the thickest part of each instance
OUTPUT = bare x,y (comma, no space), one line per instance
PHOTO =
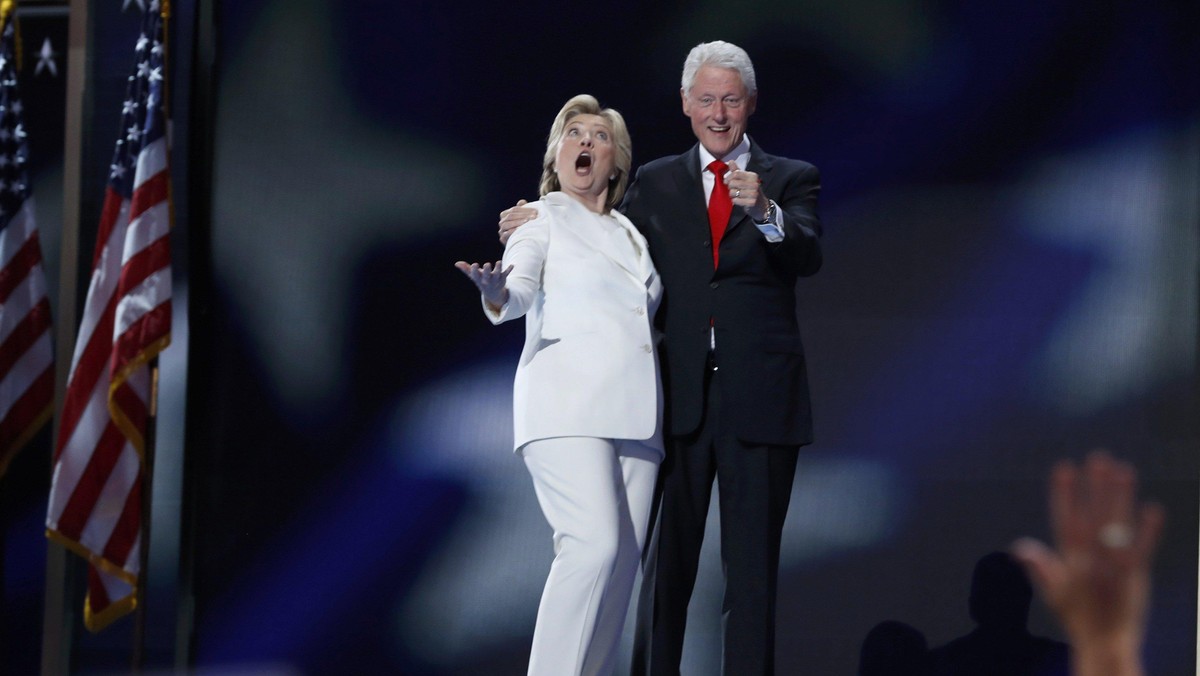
768,217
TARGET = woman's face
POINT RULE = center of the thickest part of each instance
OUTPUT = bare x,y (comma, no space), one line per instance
586,157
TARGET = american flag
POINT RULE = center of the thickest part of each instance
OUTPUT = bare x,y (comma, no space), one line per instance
95,498
26,356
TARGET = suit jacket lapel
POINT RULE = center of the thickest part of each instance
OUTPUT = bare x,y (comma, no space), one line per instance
619,252
760,162
690,184
644,266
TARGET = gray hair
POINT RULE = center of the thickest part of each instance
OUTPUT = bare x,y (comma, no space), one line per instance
722,55
586,104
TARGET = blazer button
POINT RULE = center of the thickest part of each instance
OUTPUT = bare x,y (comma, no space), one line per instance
714,285
704,243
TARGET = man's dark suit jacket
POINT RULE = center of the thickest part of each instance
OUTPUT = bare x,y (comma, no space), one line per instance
750,298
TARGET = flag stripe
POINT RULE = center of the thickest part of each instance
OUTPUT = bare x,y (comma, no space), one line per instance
28,406
114,211
110,504
28,415
89,367
24,300
125,530
130,413
36,359
104,277
18,269
149,328
147,264
93,581
150,193
151,161
74,453
87,491
32,326
17,232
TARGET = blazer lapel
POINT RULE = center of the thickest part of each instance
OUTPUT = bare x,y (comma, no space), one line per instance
689,184
614,245
760,162
643,269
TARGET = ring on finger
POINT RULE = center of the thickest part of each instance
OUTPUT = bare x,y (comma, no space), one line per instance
737,193
1116,535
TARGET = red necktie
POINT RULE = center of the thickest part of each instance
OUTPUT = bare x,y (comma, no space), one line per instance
719,206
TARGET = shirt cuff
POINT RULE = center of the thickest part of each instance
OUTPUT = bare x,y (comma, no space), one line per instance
495,316
772,229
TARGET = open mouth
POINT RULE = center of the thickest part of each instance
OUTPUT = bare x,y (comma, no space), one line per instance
583,163
719,130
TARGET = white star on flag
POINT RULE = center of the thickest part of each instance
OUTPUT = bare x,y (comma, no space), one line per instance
46,60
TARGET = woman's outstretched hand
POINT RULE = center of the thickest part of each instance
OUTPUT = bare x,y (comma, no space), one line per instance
490,280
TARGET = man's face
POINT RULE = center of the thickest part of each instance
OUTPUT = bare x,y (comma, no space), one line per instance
719,108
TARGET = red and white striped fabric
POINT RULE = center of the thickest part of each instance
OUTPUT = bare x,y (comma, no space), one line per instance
26,354
95,498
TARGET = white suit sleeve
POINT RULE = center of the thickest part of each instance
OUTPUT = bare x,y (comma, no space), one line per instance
526,253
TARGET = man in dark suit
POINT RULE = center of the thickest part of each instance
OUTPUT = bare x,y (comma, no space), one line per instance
733,362
732,359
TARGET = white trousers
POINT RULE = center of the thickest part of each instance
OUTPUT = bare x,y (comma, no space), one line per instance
596,494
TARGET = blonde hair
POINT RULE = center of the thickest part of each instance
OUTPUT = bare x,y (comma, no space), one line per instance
586,104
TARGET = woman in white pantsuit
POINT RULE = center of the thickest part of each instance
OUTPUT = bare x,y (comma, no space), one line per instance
587,399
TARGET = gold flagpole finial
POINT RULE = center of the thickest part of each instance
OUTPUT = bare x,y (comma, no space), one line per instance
7,7
8,12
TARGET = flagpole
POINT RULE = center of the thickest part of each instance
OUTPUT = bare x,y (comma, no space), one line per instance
139,619
59,611
148,451
6,14
201,113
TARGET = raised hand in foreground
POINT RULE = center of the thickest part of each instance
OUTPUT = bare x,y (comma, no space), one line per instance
1097,581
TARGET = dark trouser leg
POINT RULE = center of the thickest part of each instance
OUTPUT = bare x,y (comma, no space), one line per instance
669,574
755,487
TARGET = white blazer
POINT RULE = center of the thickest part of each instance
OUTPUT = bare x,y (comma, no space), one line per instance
588,291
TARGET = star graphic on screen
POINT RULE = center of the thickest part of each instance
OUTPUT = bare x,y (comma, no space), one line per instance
1126,333
46,60
320,143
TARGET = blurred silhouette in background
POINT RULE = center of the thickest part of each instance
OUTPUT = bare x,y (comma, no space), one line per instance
894,648
1001,643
